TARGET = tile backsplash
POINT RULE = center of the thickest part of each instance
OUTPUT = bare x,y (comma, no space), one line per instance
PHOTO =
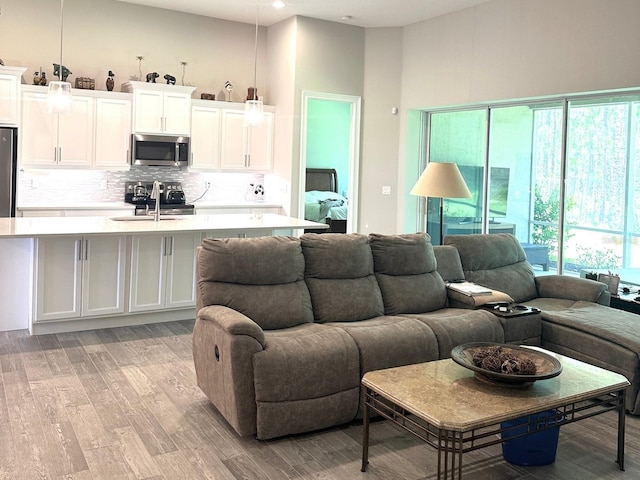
76,187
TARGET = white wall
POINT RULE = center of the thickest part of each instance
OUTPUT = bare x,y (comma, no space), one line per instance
380,134
281,45
103,35
329,59
508,49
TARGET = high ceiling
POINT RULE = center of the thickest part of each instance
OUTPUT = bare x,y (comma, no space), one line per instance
362,13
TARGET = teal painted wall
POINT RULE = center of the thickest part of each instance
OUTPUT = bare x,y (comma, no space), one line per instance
328,129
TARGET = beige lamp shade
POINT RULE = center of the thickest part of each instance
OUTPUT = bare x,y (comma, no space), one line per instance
441,180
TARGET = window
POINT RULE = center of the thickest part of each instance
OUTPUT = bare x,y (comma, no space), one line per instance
572,200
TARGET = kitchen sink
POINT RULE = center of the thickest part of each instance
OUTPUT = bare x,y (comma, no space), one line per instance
143,218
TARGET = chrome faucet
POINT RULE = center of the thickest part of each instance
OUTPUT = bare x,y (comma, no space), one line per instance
155,194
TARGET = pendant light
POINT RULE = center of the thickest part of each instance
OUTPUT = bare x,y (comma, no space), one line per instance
253,108
59,96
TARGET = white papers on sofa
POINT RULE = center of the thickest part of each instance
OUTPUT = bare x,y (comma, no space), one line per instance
469,288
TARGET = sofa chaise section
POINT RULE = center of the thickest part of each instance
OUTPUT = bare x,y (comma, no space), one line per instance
576,320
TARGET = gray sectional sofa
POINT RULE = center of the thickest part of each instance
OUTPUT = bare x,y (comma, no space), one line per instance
286,327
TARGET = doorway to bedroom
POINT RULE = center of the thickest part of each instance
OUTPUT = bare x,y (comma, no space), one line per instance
330,133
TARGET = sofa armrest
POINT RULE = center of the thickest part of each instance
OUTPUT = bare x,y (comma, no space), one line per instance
232,322
224,343
572,288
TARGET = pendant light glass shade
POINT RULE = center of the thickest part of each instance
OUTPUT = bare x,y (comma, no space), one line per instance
253,113
253,108
59,97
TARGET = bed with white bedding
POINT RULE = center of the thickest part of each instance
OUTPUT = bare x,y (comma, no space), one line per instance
322,201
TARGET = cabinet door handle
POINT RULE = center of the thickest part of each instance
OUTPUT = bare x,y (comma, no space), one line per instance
86,249
79,247
170,239
247,159
59,154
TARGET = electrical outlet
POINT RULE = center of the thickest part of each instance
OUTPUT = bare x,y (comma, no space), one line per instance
386,190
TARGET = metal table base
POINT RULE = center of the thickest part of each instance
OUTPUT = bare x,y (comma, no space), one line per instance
450,444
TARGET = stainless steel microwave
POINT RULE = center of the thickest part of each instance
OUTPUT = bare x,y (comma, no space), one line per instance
159,150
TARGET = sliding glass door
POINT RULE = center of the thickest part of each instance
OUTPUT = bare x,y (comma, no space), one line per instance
563,176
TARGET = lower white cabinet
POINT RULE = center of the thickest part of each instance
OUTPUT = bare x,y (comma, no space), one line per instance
163,271
79,276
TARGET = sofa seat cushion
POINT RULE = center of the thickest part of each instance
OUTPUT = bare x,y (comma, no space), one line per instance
547,304
306,361
262,278
307,378
496,261
405,267
615,326
387,341
340,278
598,335
455,326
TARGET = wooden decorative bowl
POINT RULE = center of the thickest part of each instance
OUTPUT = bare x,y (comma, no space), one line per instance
547,366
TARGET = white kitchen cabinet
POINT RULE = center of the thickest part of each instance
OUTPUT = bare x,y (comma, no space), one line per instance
10,94
160,109
163,271
246,148
205,137
50,140
112,133
78,277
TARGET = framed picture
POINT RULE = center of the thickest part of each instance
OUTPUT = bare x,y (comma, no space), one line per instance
611,281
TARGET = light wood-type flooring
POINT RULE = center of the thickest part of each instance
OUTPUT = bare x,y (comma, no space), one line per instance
123,404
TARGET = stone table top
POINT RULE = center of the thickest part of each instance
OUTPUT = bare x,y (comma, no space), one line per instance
448,396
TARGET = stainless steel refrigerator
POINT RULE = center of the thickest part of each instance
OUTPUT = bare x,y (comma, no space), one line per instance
8,171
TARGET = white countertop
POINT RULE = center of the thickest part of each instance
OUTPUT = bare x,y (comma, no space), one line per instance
23,227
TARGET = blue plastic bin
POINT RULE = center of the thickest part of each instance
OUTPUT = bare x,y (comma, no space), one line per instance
537,448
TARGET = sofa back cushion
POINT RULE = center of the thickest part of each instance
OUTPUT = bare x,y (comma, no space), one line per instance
339,274
405,267
496,261
263,278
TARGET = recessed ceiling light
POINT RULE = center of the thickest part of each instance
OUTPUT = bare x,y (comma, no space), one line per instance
346,18
278,4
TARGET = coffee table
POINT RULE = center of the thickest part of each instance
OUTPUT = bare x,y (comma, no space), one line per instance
443,404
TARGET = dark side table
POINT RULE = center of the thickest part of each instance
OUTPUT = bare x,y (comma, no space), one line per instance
625,301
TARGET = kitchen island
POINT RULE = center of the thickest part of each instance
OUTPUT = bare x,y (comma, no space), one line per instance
76,273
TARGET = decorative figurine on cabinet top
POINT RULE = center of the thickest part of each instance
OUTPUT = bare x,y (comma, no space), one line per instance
151,77
65,72
171,80
229,88
110,81
43,79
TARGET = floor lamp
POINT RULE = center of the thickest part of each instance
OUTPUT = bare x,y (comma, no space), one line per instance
441,180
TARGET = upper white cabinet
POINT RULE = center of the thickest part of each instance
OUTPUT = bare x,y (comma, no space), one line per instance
159,108
205,137
10,95
113,132
246,148
95,134
56,139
